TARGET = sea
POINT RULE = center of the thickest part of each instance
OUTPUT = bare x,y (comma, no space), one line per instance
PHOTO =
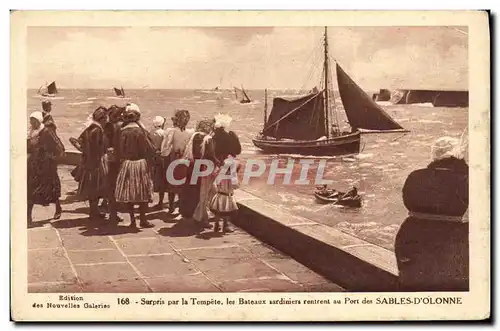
378,171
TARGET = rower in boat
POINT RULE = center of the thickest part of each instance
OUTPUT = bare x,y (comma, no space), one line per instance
326,192
353,193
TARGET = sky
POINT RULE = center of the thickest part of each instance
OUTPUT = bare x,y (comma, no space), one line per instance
255,57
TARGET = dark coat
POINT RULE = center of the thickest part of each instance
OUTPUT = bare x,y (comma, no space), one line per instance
135,144
93,171
226,143
432,254
44,186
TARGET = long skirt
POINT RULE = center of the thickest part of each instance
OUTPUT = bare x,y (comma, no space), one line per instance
223,204
189,195
158,174
44,185
180,172
433,255
92,183
207,191
134,184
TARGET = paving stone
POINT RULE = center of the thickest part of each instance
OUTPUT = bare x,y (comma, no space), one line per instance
139,233
46,238
206,239
144,246
105,273
161,265
49,265
54,288
118,286
222,265
79,242
97,256
179,284
261,285
323,287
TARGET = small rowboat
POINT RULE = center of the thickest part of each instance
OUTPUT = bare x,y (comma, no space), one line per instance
337,200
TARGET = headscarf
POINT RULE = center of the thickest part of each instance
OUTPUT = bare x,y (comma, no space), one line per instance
38,116
446,147
222,121
132,113
205,126
32,132
99,114
158,121
181,118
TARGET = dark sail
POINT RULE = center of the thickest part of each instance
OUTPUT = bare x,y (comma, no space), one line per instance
118,92
51,88
299,119
362,112
245,96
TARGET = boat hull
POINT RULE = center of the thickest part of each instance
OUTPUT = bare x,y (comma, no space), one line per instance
341,145
349,202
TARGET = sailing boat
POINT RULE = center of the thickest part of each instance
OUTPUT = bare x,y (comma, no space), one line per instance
244,95
51,90
119,92
308,126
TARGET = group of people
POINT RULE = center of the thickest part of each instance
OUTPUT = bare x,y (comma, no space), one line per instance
123,163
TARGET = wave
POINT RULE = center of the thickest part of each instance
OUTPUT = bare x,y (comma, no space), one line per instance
384,103
299,156
119,98
47,97
428,121
362,156
92,98
80,103
423,104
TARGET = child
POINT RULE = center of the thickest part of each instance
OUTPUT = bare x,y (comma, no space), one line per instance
223,203
158,166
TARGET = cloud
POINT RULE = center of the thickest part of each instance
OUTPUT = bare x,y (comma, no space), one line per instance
256,57
236,35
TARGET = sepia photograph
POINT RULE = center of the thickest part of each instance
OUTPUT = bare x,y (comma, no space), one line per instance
226,158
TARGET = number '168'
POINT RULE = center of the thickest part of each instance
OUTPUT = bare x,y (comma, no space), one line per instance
123,301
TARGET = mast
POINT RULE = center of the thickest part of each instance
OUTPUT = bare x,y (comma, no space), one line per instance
265,107
327,126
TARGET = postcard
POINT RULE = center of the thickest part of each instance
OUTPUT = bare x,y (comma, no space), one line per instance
250,165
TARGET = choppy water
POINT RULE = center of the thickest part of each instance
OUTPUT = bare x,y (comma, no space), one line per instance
379,171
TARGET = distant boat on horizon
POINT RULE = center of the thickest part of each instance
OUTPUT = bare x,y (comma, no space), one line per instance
119,92
241,95
49,90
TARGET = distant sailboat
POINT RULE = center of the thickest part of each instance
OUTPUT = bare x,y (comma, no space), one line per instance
49,90
119,92
308,126
241,95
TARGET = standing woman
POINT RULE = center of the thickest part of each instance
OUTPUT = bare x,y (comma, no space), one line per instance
432,244
158,167
201,147
112,130
226,142
172,148
92,183
134,185
44,186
